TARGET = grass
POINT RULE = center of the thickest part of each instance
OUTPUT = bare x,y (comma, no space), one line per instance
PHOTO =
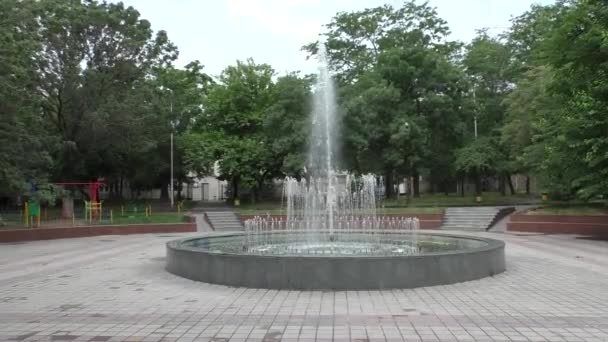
410,210
441,200
154,218
569,210
425,204
12,221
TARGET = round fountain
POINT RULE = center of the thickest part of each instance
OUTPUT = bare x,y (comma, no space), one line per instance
331,235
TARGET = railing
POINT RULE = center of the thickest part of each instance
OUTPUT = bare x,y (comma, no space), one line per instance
47,217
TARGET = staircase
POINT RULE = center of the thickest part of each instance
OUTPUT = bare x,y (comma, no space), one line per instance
469,218
223,220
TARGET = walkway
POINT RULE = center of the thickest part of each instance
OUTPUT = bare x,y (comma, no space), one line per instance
113,288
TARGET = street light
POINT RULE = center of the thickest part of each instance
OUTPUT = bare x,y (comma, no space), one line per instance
172,129
171,194
475,110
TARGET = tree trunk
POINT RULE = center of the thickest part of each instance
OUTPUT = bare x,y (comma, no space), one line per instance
67,208
477,185
253,195
462,182
388,185
235,188
180,185
398,180
164,191
416,184
510,182
502,186
527,185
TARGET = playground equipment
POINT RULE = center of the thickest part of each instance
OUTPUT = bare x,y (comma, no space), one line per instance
92,207
31,214
92,210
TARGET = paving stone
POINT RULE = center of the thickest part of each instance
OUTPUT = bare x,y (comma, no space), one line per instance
555,289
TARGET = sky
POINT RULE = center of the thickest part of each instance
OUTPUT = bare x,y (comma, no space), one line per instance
219,32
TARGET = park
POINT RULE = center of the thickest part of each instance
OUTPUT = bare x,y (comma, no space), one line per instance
400,183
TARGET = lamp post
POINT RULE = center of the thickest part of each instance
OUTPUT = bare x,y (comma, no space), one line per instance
172,188
171,185
478,197
171,195
172,129
475,110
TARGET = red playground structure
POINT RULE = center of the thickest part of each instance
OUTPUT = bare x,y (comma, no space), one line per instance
93,206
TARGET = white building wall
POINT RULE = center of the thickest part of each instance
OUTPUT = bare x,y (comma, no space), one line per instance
208,189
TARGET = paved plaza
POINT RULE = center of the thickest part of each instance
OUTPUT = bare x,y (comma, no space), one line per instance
114,288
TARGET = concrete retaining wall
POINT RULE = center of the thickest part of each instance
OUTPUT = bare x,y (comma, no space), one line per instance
84,231
560,224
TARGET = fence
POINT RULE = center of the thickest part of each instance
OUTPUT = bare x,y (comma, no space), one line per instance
16,218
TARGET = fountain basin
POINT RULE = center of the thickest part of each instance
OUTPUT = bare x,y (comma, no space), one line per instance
442,259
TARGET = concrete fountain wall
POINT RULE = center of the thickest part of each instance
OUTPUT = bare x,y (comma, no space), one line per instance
336,272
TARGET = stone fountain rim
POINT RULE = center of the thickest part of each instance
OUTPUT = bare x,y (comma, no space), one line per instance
490,244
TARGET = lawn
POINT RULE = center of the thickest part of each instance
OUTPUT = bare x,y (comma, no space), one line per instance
154,218
441,200
569,210
425,204
14,220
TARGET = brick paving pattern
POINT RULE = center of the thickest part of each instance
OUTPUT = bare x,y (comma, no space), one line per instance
114,288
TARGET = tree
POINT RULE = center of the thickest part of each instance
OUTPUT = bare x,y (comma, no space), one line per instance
380,135
92,65
434,90
230,129
395,68
575,138
488,62
478,159
287,125
530,103
255,128
24,145
178,98
355,41
528,33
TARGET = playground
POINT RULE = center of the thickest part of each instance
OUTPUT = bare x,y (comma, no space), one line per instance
79,210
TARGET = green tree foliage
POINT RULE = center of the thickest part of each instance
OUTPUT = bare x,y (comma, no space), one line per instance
93,65
252,126
577,134
88,90
528,33
177,96
479,158
488,62
529,106
355,41
287,124
24,145
401,93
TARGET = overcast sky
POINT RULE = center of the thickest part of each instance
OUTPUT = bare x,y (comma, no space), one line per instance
218,32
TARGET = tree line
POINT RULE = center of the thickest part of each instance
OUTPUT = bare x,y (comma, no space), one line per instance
88,90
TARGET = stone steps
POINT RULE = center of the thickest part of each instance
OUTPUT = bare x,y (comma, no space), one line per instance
224,220
469,218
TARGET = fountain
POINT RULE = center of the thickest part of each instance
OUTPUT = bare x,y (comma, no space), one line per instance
331,236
